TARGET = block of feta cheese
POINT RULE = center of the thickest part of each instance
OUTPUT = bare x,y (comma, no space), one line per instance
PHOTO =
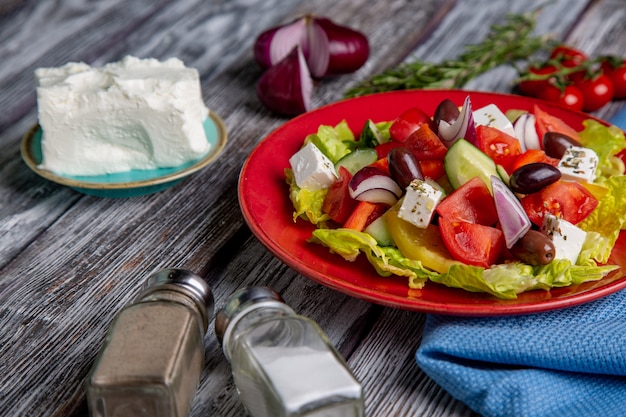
492,116
578,164
567,238
312,169
420,201
132,114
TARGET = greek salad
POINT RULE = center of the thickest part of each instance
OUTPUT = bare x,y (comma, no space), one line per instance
477,199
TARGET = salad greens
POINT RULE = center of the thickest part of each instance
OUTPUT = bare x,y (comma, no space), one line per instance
503,280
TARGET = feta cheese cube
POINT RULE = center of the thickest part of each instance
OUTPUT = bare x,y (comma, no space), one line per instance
568,239
492,116
578,164
312,169
419,203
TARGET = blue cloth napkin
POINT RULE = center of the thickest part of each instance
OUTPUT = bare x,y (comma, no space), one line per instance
569,362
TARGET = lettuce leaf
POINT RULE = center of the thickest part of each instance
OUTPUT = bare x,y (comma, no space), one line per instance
306,203
607,142
334,142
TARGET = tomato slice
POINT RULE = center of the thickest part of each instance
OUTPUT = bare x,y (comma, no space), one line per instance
547,123
473,244
472,202
565,199
499,146
534,155
425,144
338,204
408,122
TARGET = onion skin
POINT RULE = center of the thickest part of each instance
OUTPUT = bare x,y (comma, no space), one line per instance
329,48
348,48
286,87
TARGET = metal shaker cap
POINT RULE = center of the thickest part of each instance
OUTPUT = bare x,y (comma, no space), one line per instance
190,284
240,301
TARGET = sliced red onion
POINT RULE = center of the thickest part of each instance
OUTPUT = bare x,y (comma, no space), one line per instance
287,87
463,127
373,185
511,215
526,133
328,48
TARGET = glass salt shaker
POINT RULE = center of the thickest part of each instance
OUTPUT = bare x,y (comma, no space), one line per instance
153,355
282,363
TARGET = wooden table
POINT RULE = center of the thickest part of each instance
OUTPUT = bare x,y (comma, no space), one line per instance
69,262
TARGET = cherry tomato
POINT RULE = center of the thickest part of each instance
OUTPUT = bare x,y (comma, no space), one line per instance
566,199
502,148
615,69
548,123
338,204
471,202
597,91
408,122
471,243
564,52
570,96
533,87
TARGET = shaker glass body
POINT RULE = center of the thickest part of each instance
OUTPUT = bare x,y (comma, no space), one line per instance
151,360
284,366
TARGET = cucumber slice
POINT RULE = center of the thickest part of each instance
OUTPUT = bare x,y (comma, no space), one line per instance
464,161
379,230
357,159
371,136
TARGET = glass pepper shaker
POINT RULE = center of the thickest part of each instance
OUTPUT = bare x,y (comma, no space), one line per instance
282,363
153,355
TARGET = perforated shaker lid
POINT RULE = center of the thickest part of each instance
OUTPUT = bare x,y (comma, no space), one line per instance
192,284
240,301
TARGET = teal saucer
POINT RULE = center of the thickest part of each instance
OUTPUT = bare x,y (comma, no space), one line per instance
129,183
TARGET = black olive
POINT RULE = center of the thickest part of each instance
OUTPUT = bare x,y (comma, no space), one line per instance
446,111
534,248
403,166
555,144
532,177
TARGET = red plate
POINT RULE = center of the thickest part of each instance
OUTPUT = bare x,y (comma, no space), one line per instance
264,201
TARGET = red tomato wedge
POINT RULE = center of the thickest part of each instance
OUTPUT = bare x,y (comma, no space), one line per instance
338,204
408,122
425,144
548,123
473,244
565,199
499,146
534,155
472,202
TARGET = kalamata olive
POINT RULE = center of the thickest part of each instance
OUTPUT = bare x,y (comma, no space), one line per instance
446,111
532,177
555,143
534,248
403,166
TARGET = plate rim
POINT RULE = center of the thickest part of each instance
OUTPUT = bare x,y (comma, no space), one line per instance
407,303
214,152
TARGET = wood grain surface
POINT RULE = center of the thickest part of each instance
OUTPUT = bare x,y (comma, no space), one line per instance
69,262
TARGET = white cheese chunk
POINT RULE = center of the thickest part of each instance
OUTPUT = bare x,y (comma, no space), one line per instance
419,203
131,114
567,238
312,169
492,116
578,164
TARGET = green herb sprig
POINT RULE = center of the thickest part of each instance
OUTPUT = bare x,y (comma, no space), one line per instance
505,44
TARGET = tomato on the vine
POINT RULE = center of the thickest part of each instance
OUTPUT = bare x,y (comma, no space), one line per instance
532,87
569,96
597,91
564,52
615,69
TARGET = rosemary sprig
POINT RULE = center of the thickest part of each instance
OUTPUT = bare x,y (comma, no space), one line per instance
506,43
